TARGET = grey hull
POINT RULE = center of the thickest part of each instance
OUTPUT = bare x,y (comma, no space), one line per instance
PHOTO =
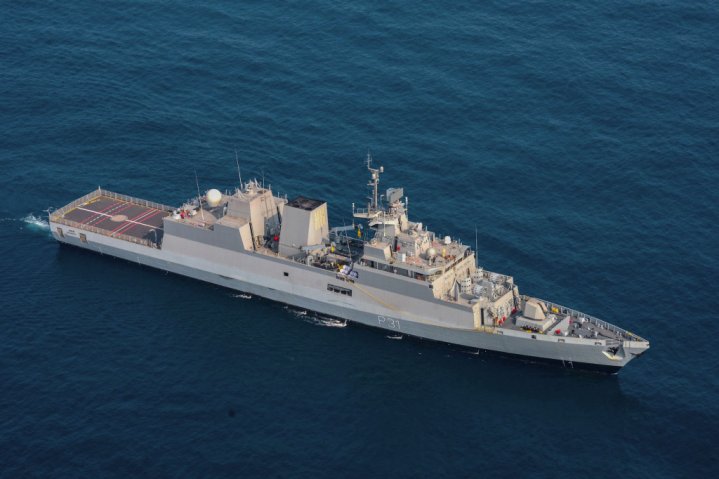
301,286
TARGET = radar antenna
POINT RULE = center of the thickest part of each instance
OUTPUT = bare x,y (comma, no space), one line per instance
373,183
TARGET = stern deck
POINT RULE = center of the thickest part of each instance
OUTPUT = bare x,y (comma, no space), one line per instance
116,216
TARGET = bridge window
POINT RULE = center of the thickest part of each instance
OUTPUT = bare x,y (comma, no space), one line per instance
401,271
339,290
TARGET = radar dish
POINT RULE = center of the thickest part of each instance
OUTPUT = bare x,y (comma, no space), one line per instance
213,197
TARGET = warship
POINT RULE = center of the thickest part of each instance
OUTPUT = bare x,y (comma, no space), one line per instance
383,270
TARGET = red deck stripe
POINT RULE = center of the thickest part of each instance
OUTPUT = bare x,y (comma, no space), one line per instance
127,221
141,216
125,206
98,213
143,219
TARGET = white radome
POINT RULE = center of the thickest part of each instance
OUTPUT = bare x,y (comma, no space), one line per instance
213,197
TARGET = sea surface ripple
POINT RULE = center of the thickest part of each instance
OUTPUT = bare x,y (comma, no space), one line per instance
580,138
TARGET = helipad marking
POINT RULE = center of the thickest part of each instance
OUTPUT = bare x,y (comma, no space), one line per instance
129,221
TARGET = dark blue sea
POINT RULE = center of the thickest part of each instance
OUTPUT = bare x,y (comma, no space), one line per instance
580,138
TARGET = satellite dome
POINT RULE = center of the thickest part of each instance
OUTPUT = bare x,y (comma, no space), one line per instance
431,253
213,197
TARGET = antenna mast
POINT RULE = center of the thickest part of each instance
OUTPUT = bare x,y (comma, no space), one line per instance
199,198
374,182
239,173
347,240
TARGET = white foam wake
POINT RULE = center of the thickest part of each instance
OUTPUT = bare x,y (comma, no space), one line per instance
317,319
327,322
30,219
300,313
36,222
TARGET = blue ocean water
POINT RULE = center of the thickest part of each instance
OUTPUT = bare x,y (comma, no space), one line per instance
580,138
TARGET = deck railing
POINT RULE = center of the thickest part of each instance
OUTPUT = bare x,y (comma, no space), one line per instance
110,194
592,320
137,201
60,212
58,216
94,229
